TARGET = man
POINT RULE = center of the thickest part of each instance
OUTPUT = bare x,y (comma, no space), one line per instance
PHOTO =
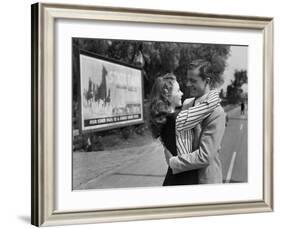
207,136
242,108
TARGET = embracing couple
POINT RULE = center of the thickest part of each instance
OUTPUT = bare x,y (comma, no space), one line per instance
191,133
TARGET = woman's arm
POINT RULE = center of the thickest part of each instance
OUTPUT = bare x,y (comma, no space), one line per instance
187,119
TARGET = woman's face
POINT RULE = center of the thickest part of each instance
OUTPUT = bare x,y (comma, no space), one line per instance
176,94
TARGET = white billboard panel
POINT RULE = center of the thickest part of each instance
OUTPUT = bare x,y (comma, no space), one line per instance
111,93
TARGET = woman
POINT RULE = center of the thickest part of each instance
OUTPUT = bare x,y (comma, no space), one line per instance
164,102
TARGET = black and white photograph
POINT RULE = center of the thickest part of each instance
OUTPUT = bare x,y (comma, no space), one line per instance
151,113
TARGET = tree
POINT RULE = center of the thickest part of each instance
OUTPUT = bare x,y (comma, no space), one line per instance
234,90
158,57
154,58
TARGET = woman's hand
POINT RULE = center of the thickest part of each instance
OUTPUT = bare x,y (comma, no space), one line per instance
168,155
187,103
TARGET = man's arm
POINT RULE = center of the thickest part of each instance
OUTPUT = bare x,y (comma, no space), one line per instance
210,142
187,119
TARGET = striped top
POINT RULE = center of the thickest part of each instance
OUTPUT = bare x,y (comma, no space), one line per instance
191,117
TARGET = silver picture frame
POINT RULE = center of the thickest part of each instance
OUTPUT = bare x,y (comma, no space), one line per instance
43,199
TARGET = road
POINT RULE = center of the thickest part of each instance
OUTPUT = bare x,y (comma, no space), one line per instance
234,154
145,166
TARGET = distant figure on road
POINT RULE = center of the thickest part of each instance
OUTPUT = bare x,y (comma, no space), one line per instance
242,108
226,119
165,99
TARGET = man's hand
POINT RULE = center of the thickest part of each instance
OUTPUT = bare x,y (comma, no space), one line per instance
168,155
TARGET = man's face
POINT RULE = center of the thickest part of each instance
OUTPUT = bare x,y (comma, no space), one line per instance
195,83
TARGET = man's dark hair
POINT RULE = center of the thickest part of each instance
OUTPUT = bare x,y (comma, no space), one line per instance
207,70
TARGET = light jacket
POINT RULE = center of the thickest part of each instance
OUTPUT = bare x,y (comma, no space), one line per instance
206,157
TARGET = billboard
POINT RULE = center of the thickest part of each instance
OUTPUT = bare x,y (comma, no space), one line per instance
111,93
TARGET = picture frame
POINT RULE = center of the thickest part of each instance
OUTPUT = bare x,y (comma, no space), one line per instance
44,122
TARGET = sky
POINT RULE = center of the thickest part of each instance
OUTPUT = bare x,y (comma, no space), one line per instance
237,60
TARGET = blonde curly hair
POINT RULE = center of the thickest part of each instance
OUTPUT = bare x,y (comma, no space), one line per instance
159,106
